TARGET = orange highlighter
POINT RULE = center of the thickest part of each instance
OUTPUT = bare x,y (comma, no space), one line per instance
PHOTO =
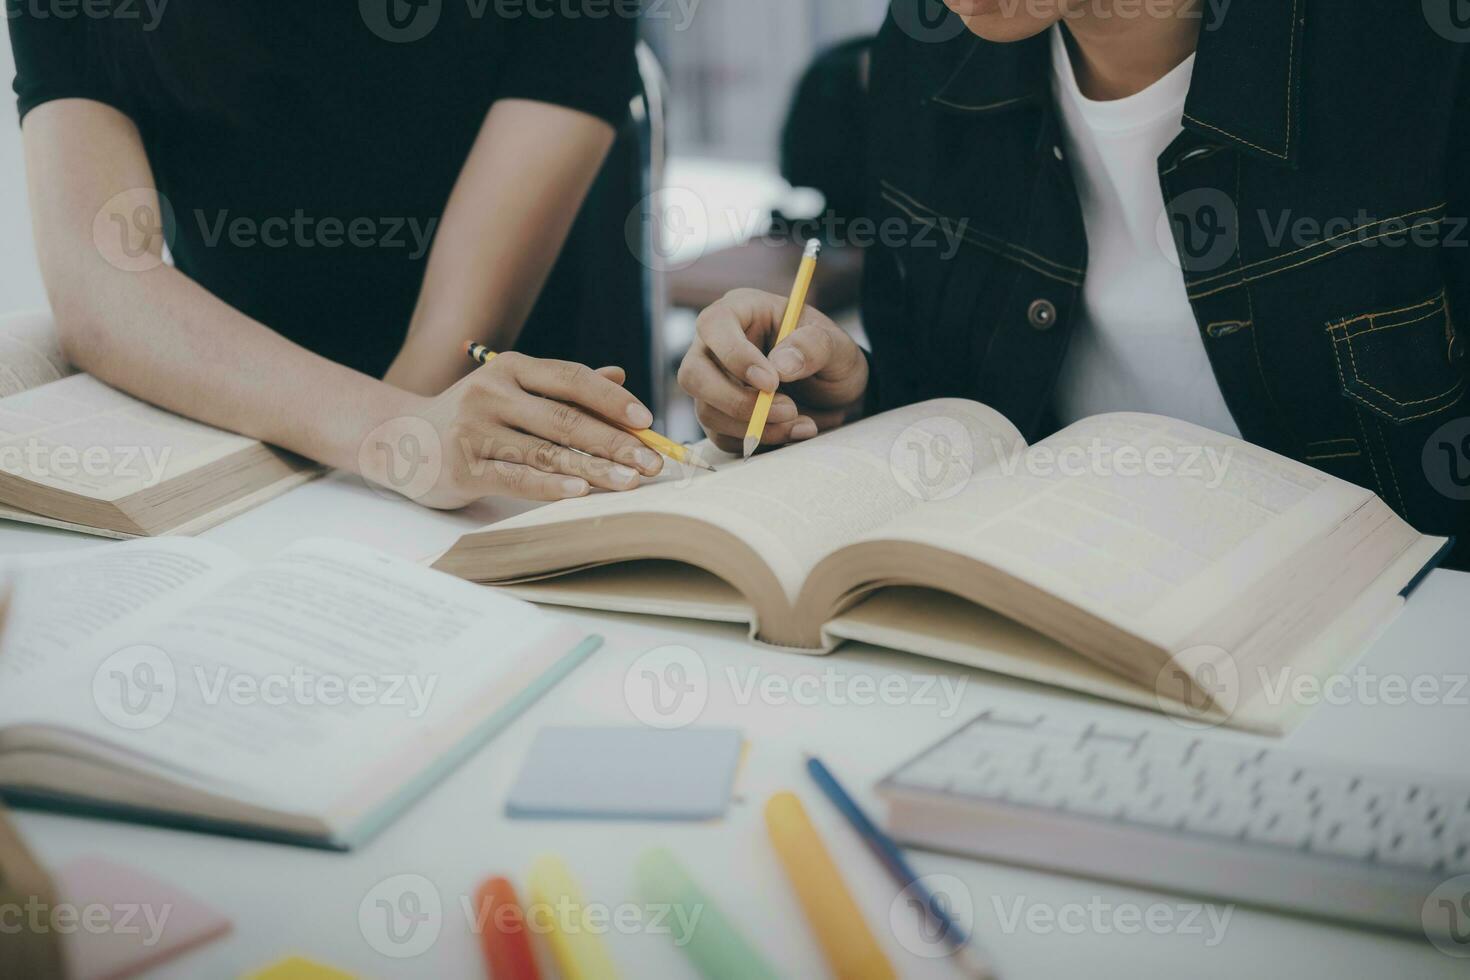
504,937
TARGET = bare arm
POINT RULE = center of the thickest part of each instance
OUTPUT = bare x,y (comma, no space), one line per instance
146,328
507,219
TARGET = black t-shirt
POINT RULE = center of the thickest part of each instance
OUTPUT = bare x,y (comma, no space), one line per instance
306,150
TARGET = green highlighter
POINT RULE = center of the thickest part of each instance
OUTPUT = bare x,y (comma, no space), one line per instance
717,950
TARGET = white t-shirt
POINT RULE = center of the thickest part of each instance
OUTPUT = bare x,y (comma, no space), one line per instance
1137,347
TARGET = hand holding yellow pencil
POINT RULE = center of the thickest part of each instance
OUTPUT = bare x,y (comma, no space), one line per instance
794,306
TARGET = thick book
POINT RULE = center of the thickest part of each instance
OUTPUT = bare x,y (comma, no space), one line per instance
307,699
1128,556
77,454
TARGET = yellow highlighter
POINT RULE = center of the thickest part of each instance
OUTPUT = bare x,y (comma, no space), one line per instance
794,306
658,443
849,945
575,943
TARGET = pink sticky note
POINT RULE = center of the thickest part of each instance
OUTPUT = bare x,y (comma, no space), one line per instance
120,921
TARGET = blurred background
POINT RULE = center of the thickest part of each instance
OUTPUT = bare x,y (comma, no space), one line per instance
732,68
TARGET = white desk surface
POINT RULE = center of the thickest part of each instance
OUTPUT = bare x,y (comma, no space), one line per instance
289,900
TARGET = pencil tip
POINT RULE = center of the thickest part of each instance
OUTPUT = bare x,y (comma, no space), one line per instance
750,446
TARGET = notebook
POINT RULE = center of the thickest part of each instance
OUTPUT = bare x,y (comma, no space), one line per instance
307,699
1129,556
627,773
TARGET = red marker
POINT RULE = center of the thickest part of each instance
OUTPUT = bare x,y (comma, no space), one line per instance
503,934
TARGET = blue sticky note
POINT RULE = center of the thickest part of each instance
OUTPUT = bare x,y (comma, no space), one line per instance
628,773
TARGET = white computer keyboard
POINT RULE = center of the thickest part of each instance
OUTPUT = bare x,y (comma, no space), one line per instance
1203,812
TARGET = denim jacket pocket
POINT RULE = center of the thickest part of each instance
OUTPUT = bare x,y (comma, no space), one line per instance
1402,363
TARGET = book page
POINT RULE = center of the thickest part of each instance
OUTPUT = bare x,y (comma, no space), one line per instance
298,675
81,436
59,601
1146,522
30,353
797,504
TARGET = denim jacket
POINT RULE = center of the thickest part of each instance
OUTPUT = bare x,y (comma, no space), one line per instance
1317,201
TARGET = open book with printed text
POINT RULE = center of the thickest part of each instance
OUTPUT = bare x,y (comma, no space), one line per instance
77,454
307,699
1129,556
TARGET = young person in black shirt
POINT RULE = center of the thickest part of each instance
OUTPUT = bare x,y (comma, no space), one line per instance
348,191
1252,216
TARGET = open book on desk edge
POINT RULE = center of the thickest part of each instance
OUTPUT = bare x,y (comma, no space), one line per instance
935,530
445,665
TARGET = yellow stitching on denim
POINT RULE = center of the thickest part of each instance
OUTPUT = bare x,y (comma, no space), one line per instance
1332,442
1394,326
1388,462
981,243
1437,298
1277,272
1358,416
965,231
1328,241
1418,401
1216,329
1352,455
1290,77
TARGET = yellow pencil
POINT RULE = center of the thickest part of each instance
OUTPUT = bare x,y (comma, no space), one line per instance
794,306
579,951
851,950
659,444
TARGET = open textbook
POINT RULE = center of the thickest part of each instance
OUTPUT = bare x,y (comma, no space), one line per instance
75,453
1130,556
306,699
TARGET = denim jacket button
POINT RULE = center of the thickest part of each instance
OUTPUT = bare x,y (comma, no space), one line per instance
1042,314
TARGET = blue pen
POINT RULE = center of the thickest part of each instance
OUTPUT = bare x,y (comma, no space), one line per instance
891,857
